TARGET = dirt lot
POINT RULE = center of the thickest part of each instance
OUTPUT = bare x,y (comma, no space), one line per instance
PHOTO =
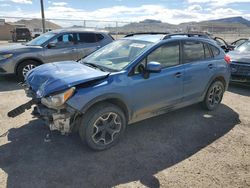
186,148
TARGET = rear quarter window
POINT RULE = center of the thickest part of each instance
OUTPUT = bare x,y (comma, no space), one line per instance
99,37
214,50
208,53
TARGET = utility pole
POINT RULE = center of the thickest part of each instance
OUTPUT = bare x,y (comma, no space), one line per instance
43,18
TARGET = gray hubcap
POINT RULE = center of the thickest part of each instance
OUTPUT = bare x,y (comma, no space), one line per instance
215,95
106,128
27,68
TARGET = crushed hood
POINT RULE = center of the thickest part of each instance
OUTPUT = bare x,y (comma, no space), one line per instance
53,77
243,57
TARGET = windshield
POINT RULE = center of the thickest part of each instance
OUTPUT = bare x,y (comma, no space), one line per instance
41,39
117,55
245,47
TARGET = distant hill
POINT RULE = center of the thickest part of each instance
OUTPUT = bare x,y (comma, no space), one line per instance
37,23
150,21
237,19
233,25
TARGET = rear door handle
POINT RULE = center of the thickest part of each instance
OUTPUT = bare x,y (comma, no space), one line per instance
210,66
178,74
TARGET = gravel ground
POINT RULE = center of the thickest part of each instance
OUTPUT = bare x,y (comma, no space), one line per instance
186,148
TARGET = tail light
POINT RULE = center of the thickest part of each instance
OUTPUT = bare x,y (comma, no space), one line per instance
227,59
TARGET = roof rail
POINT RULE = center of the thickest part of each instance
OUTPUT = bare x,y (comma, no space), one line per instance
201,35
146,33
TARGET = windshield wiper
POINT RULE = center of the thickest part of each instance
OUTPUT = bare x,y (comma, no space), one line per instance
94,66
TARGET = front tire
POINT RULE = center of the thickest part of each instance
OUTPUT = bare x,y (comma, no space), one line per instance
25,67
214,95
102,126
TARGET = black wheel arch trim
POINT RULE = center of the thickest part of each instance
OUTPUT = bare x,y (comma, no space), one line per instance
214,78
115,99
27,59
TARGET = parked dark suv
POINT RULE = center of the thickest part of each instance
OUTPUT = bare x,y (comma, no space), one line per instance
57,45
128,80
21,33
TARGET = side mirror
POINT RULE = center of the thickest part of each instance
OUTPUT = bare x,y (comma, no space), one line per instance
153,67
51,45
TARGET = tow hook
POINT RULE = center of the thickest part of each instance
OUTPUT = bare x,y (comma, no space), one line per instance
21,109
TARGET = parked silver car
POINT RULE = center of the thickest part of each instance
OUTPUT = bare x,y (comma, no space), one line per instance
57,45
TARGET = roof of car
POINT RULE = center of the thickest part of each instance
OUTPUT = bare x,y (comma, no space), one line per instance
148,37
79,30
155,38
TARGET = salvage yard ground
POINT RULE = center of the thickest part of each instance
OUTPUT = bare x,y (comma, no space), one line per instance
186,148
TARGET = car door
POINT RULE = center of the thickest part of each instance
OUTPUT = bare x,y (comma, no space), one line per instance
86,44
62,48
162,90
199,67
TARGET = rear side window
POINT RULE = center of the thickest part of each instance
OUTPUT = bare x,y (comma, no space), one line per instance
215,50
193,51
86,38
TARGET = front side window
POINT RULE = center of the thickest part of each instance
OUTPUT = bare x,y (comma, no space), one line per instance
193,51
118,54
168,55
64,40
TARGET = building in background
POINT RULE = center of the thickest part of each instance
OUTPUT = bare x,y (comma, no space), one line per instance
34,26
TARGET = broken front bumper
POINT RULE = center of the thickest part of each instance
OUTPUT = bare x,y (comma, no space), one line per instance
63,119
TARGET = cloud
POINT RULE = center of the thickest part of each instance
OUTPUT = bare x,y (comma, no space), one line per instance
127,14
194,8
217,3
59,3
5,5
22,1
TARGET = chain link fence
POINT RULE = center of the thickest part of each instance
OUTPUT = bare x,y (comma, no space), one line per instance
229,32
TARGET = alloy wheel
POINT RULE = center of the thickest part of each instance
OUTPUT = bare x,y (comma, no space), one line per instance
27,68
215,95
106,128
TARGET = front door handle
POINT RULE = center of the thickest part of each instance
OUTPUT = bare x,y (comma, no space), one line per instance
178,74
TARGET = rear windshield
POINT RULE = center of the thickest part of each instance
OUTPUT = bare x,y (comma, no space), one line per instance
22,30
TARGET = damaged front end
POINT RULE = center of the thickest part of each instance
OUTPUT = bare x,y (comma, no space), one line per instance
52,110
50,86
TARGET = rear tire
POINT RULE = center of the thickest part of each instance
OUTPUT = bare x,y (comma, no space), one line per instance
25,67
102,126
214,95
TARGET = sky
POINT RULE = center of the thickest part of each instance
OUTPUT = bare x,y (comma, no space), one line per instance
170,11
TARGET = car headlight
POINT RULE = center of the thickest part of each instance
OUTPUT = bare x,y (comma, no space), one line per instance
56,101
5,56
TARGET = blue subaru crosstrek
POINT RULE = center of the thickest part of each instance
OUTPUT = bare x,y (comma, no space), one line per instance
131,79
